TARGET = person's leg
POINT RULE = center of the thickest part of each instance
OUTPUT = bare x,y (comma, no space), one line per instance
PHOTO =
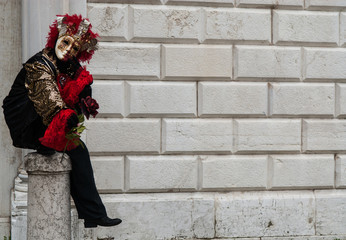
83,189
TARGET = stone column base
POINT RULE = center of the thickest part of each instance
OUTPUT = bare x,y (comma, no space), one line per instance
48,196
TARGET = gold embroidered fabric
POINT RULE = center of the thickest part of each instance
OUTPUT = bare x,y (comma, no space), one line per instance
43,91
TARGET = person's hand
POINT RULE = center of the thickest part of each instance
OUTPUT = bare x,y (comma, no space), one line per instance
72,121
86,92
89,107
75,65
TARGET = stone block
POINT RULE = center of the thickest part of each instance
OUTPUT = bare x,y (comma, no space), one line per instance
324,135
238,238
126,60
238,24
109,173
324,63
197,61
5,228
19,225
234,172
331,237
175,99
267,62
109,20
305,26
161,173
110,96
340,103
253,214
197,135
302,171
195,2
302,99
340,171
232,99
203,215
322,4
330,212
123,135
171,23
267,135
159,216
270,3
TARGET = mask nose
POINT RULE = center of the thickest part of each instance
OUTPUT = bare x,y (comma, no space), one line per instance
68,49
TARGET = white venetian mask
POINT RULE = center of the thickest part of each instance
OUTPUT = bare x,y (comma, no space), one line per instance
66,48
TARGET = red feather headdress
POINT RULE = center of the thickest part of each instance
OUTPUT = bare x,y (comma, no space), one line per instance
78,28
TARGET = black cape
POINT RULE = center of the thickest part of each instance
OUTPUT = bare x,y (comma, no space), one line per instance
25,125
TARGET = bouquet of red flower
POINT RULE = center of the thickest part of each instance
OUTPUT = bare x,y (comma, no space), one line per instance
88,107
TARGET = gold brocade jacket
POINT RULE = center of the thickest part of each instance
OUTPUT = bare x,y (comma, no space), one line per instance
42,88
34,100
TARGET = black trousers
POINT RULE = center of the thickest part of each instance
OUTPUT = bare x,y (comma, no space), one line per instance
83,189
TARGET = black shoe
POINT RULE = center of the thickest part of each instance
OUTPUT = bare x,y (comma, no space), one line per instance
105,222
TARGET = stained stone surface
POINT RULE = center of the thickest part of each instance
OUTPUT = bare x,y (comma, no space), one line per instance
4,228
57,162
10,64
48,196
159,216
330,212
253,214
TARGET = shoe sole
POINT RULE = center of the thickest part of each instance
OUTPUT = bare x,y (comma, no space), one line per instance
94,225
90,225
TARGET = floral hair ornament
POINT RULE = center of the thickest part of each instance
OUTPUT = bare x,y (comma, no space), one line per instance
78,28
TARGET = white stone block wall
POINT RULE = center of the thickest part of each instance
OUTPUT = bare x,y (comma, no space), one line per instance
220,119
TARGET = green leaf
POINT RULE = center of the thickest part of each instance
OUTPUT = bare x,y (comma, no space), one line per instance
80,130
80,118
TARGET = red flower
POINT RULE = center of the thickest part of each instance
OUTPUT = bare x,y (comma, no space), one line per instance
89,107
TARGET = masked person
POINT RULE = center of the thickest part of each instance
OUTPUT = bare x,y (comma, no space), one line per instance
49,92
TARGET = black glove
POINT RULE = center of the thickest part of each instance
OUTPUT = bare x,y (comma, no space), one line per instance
85,92
74,64
70,67
72,121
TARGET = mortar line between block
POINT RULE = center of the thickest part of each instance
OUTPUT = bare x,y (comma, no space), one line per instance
269,99
233,65
336,100
339,32
270,171
271,26
335,159
126,185
197,102
161,135
199,173
162,65
202,25
315,211
301,135
302,64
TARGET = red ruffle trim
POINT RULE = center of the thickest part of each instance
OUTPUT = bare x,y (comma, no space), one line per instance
54,137
72,88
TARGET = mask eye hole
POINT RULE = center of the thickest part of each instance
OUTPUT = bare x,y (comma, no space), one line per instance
66,42
76,49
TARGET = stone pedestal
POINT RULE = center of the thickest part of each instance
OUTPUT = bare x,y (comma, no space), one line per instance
49,209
